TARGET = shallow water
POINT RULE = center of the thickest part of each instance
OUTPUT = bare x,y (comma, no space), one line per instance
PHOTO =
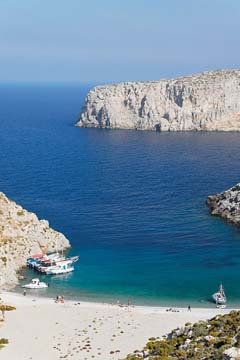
132,203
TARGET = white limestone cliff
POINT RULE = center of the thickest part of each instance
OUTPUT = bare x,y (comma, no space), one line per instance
209,101
21,235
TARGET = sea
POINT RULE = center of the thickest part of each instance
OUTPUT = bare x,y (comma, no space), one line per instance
132,203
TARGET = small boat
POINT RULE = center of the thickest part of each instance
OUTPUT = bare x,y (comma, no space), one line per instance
62,267
35,284
221,306
220,297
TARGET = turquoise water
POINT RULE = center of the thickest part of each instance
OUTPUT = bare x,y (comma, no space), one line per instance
131,203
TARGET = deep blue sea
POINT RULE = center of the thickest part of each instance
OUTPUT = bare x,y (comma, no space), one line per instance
132,203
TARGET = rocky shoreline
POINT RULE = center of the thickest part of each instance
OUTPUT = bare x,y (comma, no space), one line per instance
21,234
209,101
217,338
226,204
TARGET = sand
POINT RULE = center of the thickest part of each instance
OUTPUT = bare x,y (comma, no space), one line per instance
42,329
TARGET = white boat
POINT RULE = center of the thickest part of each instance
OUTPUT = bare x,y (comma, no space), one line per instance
35,284
62,267
221,306
220,297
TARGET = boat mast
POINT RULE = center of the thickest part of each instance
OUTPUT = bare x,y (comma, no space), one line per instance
222,291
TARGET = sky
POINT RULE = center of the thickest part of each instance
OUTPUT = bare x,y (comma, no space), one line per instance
110,41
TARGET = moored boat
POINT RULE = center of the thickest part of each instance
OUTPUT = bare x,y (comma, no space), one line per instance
38,259
62,267
52,264
35,284
220,297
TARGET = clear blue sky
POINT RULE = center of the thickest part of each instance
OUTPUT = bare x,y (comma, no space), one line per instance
109,40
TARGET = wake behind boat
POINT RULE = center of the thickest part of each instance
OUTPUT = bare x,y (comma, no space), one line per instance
220,297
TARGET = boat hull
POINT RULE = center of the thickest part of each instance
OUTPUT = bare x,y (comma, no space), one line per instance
59,271
31,286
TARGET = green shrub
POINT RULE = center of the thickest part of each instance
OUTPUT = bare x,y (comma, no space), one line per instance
4,259
3,342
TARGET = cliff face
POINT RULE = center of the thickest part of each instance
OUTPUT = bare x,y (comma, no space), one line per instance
21,235
206,101
226,204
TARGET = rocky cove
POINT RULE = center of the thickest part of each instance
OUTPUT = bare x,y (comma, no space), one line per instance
21,234
111,189
208,101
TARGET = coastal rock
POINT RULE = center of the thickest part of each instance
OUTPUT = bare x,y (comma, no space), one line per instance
231,354
216,338
226,204
22,234
208,101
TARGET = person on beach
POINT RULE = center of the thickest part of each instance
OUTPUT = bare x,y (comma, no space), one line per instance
62,299
57,299
189,308
24,292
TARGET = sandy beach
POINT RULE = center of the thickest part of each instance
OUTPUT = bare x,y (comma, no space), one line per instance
41,328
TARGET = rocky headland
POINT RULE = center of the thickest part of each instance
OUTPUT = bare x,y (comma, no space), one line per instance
208,101
226,204
217,338
22,234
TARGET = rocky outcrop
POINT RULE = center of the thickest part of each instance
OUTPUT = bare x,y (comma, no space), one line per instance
206,101
22,234
226,204
217,338
231,354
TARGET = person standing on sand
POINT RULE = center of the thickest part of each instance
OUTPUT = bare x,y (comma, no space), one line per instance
62,299
189,308
57,299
